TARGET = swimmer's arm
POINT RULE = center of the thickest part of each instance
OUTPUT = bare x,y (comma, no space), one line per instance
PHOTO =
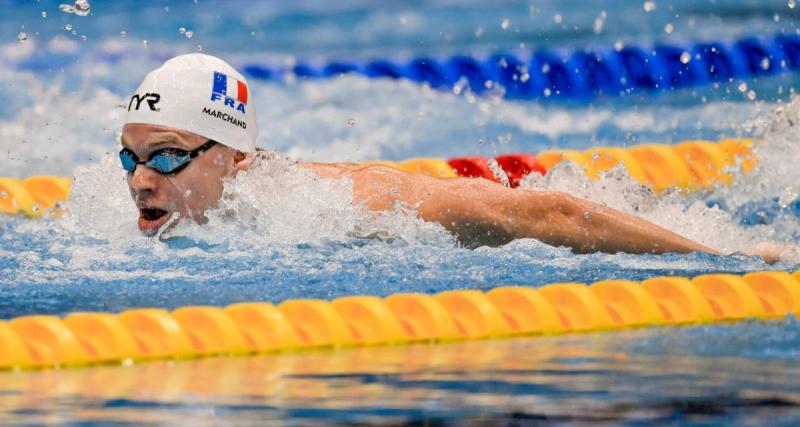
589,227
481,212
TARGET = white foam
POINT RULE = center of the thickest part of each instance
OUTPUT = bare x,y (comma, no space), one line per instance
279,202
777,136
59,130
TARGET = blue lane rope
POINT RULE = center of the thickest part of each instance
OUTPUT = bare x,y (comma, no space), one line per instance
578,75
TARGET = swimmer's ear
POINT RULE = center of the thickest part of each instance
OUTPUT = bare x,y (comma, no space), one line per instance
241,161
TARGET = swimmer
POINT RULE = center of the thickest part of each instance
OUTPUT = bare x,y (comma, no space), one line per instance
192,123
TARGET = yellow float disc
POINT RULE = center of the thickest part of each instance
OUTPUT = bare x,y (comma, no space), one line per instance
663,168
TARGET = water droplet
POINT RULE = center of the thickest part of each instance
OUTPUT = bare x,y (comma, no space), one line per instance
504,25
22,37
189,34
68,27
791,3
478,31
498,172
199,48
36,207
44,14
557,18
123,34
686,57
145,42
587,214
649,6
253,33
83,37
598,25
668,28
351,121
3,194
547,92
545,68
765,64
776,18
742,87
618,45
82,7
751,95
460,85
181,30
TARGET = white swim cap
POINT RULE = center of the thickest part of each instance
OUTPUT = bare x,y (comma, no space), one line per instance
200,94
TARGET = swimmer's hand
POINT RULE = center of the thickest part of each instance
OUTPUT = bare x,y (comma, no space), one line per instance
773,252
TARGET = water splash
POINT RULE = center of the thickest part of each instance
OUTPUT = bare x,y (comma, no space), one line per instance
778,149
278,201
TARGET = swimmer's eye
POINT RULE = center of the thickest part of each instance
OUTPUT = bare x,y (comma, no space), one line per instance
171,152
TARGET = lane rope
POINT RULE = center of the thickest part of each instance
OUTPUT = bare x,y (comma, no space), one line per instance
581,75
143,334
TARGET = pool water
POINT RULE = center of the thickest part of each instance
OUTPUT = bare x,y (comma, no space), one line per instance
296,236
705,375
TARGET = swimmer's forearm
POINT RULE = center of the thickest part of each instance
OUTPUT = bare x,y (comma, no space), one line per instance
481,213
589,227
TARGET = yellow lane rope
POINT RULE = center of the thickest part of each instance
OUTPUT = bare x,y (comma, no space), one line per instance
259,327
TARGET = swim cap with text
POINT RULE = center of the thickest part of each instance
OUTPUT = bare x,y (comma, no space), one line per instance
201,94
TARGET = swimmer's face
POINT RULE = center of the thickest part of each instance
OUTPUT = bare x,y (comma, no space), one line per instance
191,191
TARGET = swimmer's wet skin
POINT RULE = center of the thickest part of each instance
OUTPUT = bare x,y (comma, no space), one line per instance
194,98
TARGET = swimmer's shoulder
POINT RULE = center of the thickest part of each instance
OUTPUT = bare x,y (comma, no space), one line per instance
330,170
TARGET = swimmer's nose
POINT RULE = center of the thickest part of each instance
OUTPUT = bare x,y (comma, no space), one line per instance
143,180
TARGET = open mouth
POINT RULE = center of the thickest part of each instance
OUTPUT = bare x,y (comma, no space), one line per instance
150,219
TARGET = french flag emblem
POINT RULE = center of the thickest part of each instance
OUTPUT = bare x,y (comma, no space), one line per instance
230,89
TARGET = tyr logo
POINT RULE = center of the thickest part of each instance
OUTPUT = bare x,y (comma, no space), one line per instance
152,100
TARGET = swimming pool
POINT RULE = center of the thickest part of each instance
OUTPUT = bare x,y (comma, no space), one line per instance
59,117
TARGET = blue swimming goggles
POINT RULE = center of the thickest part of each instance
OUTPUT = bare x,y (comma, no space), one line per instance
164,161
